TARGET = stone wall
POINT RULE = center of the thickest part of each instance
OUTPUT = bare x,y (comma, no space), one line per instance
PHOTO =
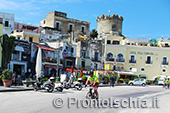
106,22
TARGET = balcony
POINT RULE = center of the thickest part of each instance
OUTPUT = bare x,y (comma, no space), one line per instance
165,63
120,60
132,61
16,57
52,60
110,59
85,57
149,62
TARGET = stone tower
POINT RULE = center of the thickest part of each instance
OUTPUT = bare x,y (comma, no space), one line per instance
109,24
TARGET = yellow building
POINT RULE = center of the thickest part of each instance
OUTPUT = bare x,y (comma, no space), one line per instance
1,31
137,56
28,36
26,32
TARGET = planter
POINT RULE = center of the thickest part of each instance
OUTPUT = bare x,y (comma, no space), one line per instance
7,83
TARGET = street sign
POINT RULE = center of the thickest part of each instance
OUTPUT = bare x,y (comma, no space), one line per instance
64,52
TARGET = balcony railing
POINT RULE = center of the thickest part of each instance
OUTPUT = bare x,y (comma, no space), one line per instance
52,60
132,61
165,63
110,59
149,62
15,57
120,60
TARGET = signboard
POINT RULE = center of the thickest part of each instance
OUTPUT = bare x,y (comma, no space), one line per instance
107,66
64,52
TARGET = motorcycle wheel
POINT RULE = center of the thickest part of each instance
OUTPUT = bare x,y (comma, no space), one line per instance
50,89
79,87
35,87
59,89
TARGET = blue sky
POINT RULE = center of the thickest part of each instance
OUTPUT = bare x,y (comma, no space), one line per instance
142,18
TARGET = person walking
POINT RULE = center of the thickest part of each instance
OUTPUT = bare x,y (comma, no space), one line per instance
14,78
168,82
112,81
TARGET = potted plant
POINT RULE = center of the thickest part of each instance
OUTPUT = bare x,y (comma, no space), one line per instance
7,77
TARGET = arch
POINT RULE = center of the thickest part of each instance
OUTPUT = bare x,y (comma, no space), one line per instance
120,57
110,56
114,27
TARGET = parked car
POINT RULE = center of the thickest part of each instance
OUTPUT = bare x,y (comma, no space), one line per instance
138,81
161,81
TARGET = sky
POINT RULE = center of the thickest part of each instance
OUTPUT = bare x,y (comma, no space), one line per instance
142,18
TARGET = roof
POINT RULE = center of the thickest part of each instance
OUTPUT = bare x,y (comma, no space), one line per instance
138,39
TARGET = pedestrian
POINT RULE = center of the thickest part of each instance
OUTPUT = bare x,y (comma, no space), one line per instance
168,82
14,78
112,81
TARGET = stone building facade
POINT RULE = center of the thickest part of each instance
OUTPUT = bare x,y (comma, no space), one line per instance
109,24
59,22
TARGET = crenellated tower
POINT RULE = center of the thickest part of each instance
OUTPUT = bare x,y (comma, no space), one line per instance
109,24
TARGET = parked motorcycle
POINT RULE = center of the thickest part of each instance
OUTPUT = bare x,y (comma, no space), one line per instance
76,84
48,85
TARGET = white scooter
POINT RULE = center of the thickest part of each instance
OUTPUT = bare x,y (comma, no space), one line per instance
76,84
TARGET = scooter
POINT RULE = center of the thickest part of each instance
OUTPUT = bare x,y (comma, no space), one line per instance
48,85
76,84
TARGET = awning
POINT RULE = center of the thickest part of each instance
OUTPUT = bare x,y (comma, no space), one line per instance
19,48
52,65
45,48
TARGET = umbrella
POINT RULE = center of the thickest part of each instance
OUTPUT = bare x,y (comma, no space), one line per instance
38,67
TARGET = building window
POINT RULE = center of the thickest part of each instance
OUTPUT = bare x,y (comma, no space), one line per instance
57,26
148,60
50,37
83,64
164,62
83,54
166,45
108,41
120,57
70,28
24,38
18,38
72,50
96,54
30,39
82,29
109,57
115,42
69,63
6,23
114,28
164,70
132,59
142,69
44,21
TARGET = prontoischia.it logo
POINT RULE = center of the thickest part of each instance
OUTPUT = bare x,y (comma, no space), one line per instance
105,103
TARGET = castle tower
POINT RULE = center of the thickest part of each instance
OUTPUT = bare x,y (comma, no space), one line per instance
109,24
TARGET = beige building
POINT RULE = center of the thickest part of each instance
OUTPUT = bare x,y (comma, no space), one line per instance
143,57
26,32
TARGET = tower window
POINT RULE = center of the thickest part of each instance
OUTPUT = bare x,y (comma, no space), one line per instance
57,26
6,23
108,42
82,29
